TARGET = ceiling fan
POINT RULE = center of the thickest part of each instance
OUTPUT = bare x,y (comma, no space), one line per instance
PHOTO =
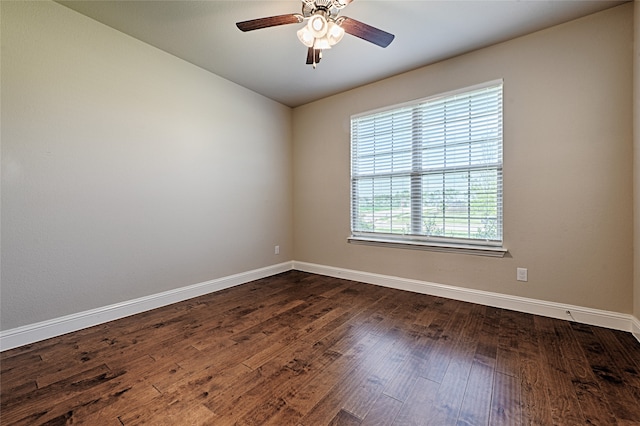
324,27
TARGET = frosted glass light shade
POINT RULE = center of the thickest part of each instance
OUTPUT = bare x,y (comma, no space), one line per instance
322,43
334,33
305,36
318,26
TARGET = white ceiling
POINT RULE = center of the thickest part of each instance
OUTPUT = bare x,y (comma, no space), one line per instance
271,61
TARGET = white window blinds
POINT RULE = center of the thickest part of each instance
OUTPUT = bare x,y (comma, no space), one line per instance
430,170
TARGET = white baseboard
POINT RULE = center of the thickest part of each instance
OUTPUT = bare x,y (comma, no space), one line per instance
608,319
635,328
58,326
55,327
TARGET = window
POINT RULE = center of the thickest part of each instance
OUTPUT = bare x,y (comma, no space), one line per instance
429,172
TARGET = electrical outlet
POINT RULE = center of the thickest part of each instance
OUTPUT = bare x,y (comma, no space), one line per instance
521,274
276,249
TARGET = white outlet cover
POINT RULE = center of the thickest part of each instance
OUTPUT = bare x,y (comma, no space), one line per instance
521,274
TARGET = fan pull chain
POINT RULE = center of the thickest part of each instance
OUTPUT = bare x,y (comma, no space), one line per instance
314,57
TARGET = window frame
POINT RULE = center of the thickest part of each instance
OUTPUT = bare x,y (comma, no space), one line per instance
412,240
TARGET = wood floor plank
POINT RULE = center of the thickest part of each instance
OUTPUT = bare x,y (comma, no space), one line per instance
399,386
507,358
130,384
487,349
279,343
170,413
612,341
506,408
593,402
443,350
415,362
16,366
101,405
284,416
321,399
344,418
418,408
382,367
621,395
476,405
229,392
524,341
289,370
308,350
383,412
535,400
563,400
270,381
449,398
18,407
19,389
263,411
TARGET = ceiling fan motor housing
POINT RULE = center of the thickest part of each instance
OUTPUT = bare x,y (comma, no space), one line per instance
330,8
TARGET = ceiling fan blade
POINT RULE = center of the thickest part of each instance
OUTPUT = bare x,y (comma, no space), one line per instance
366,32
271,21
311,52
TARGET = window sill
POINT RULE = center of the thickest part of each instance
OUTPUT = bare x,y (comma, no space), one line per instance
477,250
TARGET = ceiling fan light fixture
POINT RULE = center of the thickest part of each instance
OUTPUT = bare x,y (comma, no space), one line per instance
323,27
305,36
318,25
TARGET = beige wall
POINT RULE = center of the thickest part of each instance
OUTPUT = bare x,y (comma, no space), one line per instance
126,171
568,205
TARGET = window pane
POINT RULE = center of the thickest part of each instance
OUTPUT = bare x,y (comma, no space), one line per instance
383,204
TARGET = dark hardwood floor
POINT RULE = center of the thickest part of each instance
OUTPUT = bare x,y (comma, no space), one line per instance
304,349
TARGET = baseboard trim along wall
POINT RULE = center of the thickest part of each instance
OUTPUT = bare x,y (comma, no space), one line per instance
58,326
635,328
